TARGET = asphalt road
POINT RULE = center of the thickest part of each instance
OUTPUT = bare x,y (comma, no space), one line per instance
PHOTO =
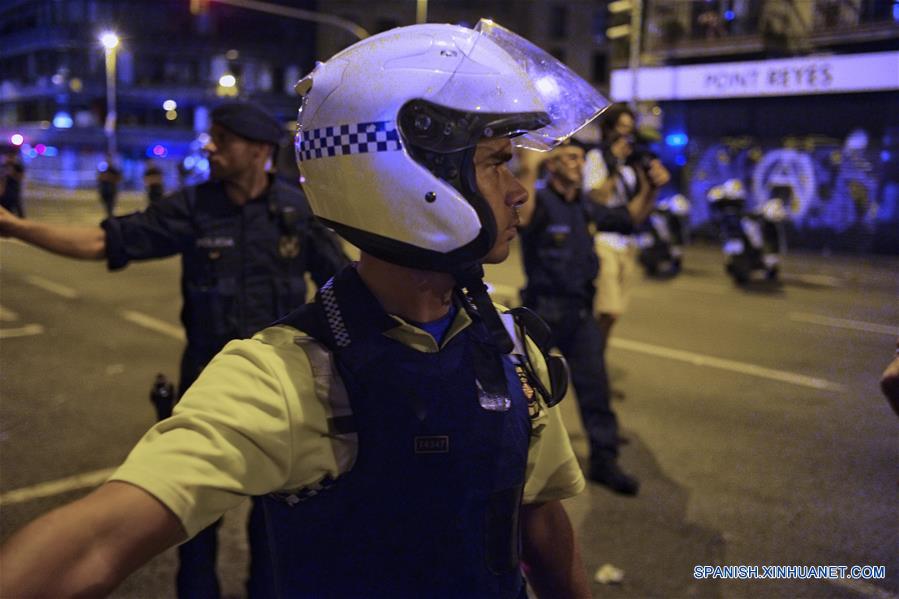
754,418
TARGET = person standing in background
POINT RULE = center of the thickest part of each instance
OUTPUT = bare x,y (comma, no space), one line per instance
12,175
617,176
109,176
153,181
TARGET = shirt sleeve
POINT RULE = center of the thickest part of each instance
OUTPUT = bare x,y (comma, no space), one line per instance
250,425
553,471
163,229
595,170
614,219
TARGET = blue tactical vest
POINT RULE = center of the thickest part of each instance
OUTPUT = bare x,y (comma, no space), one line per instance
558,252
430,507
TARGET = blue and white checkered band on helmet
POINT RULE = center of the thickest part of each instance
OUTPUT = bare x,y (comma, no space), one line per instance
342,140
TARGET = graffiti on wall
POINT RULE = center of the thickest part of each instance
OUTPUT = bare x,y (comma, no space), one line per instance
833,185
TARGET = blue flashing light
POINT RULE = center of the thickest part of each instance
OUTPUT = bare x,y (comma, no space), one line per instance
885,156
896,11
729,15
51,151
676,140
680,160
63,120
189,162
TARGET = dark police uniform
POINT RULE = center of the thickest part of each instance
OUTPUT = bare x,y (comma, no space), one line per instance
243,267
560,263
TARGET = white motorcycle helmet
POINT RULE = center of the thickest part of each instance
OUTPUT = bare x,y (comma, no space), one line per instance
388,127
733,189
678,204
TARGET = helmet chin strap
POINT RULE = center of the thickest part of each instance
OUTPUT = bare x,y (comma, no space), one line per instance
478,303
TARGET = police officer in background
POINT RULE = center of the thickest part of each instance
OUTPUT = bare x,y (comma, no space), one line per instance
246,241
153,182
109,176
560,265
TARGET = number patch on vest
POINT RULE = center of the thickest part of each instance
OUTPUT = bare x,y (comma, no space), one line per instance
432,444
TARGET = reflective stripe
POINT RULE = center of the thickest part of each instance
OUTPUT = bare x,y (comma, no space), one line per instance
330,390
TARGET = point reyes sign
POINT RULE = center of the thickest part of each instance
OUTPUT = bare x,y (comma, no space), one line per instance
878,71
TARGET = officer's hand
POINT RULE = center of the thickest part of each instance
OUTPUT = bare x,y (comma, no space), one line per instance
658,174
8,222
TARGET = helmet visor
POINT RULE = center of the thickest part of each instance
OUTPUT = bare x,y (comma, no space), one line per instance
570,101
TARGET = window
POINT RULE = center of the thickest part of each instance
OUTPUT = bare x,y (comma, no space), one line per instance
558,21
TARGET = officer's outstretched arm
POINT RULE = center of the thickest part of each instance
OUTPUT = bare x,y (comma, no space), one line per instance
87,243
86,548
551,552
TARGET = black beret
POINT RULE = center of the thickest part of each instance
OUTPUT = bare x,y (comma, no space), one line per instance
248,121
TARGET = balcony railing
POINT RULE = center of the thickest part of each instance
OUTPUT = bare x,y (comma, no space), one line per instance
696,28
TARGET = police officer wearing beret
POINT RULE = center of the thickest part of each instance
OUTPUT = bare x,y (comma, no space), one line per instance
561,264
246,239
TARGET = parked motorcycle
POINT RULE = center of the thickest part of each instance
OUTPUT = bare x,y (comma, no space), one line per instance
752,241
664,236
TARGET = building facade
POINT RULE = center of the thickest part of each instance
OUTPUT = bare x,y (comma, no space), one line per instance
170,63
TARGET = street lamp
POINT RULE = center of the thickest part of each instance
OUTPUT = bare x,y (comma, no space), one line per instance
110,42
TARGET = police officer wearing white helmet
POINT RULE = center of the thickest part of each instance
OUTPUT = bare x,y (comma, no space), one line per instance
401,430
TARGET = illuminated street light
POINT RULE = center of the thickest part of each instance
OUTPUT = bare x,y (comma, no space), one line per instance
110,42
227,85
169,105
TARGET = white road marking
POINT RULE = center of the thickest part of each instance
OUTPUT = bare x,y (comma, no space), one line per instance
7,315
154,324
822,280
55,487
866,589
733,366
47,285
845,323
27,331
